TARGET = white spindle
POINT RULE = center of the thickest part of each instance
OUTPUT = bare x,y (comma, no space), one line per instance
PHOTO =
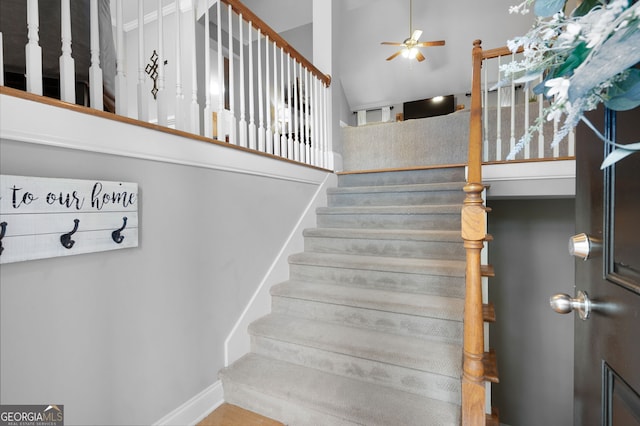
540,134
571,152
307,141
499,119
252,124
261,135
512,139
485,110
290,108
208,117
316,115
67,66
95,72
179,115
294,113
33,51
276,128
161,102
556,147
1,60
194,110
232,118
323,127
268,136
143,100
283,137
527,147
220,132
242,124
121,78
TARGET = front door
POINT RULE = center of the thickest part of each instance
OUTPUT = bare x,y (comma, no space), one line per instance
607,342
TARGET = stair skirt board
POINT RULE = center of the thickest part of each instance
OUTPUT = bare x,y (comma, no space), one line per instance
367,330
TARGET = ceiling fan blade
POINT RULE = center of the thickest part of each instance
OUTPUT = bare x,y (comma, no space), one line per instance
419,56
431,43
416,35
394,55
392,43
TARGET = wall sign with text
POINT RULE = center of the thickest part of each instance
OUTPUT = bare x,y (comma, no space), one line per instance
47,217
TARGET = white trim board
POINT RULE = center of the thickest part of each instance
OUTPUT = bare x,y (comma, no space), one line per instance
196,408
539,179
34,122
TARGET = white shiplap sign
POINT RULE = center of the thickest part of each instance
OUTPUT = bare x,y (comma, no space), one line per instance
47,217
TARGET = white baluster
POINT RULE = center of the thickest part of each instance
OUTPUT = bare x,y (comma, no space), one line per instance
512,139
121,78
291,111
267,133
527,147
220,131
499,119
143,100
252,124
325,127
261,134
307,142
556,147
276,128
67,66
33,51
1,60
283,137
315,111
295,147
232,118
485,110
95,72
208,116
541,133
194,111
179,115
242,124
161,101
571,151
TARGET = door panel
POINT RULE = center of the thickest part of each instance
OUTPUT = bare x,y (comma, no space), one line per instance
607,345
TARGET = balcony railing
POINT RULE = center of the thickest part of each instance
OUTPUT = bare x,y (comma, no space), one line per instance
218,71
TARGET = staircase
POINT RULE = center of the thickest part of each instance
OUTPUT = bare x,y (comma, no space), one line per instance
368,329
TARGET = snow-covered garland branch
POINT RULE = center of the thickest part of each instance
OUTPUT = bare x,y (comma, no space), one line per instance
585,59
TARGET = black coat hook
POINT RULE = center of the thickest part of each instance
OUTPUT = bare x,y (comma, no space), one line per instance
65,239
3,229
116,234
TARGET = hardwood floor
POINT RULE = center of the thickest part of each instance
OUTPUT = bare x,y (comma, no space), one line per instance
232,415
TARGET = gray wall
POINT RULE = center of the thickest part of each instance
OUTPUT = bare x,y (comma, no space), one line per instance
124,337
534,344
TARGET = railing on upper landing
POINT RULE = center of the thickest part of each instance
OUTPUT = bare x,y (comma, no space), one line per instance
218,72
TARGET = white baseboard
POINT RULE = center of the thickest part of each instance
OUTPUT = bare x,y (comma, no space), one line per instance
237,343
196,408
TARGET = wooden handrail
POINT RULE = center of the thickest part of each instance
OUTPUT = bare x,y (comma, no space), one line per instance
474,232
258,23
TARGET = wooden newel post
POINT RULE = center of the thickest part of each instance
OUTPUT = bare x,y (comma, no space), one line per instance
474,231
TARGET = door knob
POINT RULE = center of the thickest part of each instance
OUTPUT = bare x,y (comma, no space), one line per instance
563,304
584,246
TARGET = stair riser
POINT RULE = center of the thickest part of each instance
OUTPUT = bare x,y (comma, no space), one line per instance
437,285
434,328
400,178
384,247
396,198
447,222
285,411
422,383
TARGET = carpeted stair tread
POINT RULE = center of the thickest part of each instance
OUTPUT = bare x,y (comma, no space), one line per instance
374,189
451,268
392,210
437,357
390,301
386,234
304,392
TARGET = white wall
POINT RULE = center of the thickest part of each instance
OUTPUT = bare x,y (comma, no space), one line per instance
124,337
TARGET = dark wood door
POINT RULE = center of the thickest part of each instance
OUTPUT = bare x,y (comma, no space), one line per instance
607,344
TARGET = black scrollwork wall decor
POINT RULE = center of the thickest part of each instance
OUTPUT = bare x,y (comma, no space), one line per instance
152,70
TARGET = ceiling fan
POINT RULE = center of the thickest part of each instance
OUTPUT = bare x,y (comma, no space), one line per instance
411,44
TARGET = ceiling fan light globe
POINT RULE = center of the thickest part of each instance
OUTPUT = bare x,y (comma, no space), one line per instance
412,53
405,53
